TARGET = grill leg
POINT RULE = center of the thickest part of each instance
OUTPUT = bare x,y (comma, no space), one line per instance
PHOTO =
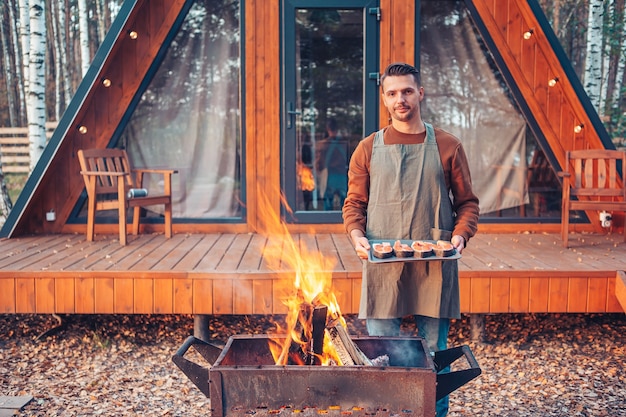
201,327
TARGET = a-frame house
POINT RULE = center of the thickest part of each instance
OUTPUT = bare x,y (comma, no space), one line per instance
268,40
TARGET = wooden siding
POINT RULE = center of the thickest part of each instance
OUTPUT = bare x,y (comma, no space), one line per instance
228,274
620,288
533,63
397,39
101,112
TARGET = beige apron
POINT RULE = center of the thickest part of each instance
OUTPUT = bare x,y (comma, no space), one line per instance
409,200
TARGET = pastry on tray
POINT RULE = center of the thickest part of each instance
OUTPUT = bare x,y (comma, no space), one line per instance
382,250
422,249
402,250
443,248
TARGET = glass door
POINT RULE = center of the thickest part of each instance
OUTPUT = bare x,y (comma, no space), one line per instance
330,100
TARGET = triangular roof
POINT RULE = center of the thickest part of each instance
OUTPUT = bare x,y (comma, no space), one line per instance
130,62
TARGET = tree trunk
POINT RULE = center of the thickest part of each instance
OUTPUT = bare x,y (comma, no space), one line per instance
25,43
8,68
5,200
58,70
64,48
606,57
18,65
618,94
593,63
37,82
83,28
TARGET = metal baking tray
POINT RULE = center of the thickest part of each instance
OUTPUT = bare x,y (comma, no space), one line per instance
373,259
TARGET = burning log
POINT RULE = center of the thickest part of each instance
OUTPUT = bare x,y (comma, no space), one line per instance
317,335
305,340
305,343
348,352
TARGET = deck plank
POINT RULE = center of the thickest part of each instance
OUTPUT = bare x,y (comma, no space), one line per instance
234,273
253,255
232,257
346,253
38,250
162,250
200,246
138,254
178,253
326,247
216,253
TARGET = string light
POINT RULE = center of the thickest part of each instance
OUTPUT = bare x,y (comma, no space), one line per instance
528,34
133,34
553,81
106,82
578,128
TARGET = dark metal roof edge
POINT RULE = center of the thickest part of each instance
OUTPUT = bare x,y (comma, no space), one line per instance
571,74
68,118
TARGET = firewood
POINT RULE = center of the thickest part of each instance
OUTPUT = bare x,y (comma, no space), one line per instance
348,352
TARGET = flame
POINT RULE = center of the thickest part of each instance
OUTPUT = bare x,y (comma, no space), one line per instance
305,174
312,285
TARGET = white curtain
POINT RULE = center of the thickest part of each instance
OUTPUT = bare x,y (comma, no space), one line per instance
466,96
189,117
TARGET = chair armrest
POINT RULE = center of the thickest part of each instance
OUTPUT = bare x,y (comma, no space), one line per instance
156,171
167,177
99,173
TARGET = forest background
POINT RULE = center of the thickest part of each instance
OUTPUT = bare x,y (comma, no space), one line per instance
47,47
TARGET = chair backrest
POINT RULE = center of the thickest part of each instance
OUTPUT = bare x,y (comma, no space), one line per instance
595,172
110,163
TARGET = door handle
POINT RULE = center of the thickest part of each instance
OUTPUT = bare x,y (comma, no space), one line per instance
291,113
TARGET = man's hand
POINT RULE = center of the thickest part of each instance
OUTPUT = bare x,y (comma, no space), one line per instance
458,242
361,244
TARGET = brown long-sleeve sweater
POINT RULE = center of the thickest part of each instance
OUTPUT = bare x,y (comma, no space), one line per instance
456,171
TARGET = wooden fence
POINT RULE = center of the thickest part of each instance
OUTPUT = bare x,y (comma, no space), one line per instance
14,152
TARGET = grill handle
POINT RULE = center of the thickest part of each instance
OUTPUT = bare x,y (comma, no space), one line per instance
450,381
199,375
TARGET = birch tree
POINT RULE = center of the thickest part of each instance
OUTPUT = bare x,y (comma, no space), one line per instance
83,28
36,108
593,62
24,8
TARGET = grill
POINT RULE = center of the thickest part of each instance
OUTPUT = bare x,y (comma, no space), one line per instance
244,380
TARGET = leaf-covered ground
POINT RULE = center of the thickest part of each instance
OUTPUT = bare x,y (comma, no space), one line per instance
113,365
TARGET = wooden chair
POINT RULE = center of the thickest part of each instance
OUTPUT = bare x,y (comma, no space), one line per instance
591,182
109,178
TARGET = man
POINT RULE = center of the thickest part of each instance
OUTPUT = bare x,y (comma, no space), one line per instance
410,181
332,163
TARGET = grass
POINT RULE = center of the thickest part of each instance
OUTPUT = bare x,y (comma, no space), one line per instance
15,184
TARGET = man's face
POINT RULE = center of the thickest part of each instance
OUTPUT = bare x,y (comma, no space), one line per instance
402,97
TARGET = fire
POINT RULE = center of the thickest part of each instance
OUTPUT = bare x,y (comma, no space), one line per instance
305,174
311,295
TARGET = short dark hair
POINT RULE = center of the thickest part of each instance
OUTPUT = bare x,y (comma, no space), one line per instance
398,69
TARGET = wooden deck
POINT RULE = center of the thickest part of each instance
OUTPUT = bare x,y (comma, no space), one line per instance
227,274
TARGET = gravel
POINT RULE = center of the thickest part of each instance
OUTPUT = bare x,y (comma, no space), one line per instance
111,365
